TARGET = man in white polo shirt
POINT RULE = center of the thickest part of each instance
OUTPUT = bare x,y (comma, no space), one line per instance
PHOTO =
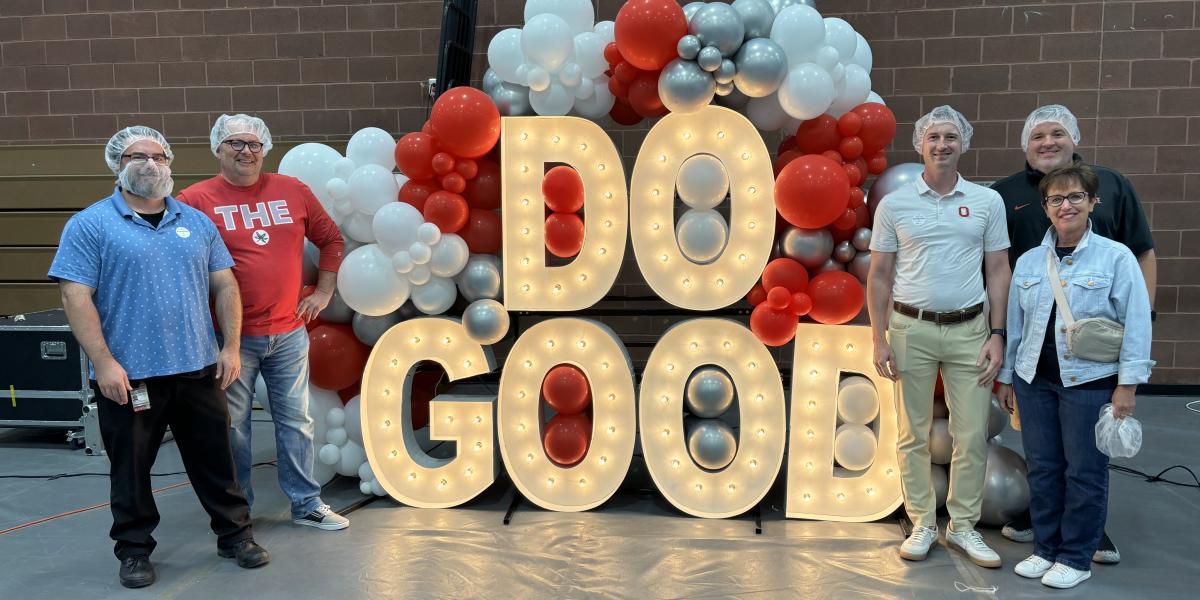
925,290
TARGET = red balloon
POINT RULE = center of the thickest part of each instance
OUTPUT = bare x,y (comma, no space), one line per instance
564,234
621,111
939,387
612,55
566,439
786,158
815,136
862,219
850,124
562,189
454,183
846,221
619,89
483,232
647,32
857,197
467,168
779,297
786,273
566,390
415,192
878,126
854,174
414,153
833,155
336,358
772,326
625,73
426,127
465,121
484,190
442,163
851,148
447,210
757,295
788,143
801,304
812,192
349,393
877,163
643,95
837,297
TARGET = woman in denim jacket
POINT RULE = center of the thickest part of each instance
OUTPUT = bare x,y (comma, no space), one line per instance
1060,395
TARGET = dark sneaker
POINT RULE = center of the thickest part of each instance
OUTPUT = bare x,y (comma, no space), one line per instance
1107,553
323,517
136,572
248,554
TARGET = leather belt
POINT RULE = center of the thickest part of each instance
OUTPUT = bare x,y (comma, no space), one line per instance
940,318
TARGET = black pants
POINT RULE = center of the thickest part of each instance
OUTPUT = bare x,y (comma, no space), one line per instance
195,408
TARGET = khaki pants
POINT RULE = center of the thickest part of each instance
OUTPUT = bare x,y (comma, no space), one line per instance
921,349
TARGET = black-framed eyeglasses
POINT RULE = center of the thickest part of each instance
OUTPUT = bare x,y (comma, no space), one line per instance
139,157
1074,198
239,145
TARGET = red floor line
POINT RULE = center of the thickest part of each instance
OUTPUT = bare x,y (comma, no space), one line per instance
83,510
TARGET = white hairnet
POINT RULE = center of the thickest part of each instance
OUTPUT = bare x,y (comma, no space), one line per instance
1051,113
123,139
228,125
937,116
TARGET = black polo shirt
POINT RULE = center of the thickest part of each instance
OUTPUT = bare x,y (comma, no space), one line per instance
1118,216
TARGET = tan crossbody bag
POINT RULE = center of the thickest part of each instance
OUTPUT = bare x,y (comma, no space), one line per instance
1097,339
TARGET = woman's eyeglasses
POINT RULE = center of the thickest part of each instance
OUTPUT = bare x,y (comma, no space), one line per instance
1074,198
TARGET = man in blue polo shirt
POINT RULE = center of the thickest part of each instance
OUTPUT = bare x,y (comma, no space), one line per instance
135,271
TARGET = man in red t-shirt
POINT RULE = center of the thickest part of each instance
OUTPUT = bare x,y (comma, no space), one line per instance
263,219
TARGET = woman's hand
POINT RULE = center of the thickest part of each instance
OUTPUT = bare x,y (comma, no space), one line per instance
1123,401
1008,399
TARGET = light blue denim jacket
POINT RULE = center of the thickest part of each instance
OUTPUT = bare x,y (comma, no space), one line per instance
1103,280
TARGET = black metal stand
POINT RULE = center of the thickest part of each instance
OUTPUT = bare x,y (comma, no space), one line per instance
357,504
906,526
758,511
512,506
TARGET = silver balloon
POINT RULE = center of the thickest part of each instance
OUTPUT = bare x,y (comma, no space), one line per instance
827,267
490,81
312,257
709,392
941,444
408,311
511,99
854,446
761,67
940,410
486,321
480,279
894,178
688,47
709,59
860,267
718,24
1005,487
810,247
725,72
941,483
779,5
997,419
690,9
701,234
861,239
336,311
723,89
735,100
711,442
369,329
684,87
757,16
844,252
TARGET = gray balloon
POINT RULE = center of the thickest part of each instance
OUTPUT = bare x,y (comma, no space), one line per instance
861,239
718,24
688,47
312,256
894,178
369,329
725,72
490,81
735,100
690,9
844,252
511,99
761,67
1005,487
828,266
486,321
709,59
757,16
860,265
684,87
940,410
711,442
337,311
997,419
709,392
941,484
723,89
779,5
480,279
941,445
810,247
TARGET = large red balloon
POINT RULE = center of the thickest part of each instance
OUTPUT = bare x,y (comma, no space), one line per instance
465,121
622,112
447,210
878,126
335,356
772,326
562,189
566,390
483,191
647,32
786,273
566,439
414,155
415,192
837,297
643,95
812,191
483,232
564,234
815,136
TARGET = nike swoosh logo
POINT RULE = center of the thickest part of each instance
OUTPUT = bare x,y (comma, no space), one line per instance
1020,206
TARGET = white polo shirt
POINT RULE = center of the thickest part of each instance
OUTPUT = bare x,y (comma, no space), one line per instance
939,242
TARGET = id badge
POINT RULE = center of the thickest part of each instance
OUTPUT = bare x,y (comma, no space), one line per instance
140,397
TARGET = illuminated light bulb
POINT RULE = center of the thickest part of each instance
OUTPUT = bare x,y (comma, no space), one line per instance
524,231
812,403
666,432
550,481
745,156
807,497
611,429
720,283
549,343
446,341
602,251
394,453
758,398
663,258
600,167
582,147
394,363
694,346
753,463
416,340
752,365
608,223
604,365
525,287
761,432
816,345
412,476
582,482
670,366
655,192
528,365
387,392
720,135
557,288
810,434
442,484
812,373
849,347
751,225
655,226
478,419
687,135
808,466
603,459
525,202
521,427
731,488
449,419
870,491
608,195
582,344
743,257
583,277
470,471
612,397
890,472
687,283
699,487
521,394
387,422
529,457
662,158
752,189
727,345
524,168
466,363
478,446
556,139
841,497
525,261
665,399
524,136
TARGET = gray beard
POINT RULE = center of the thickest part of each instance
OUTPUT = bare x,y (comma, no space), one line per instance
147,181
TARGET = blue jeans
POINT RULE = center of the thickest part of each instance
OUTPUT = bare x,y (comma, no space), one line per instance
1068,476
283,361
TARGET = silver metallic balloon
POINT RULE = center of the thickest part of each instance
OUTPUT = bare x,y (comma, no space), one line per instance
828,266
854,446
735,100
336,311
485,321
490,81
725,72
711,442
688,47
861,239
480,279
779,5
860,266
691,8
761,67
408,311
718,24
941,445
895,177
757,16
684,87
369,329
810,247
709,392
723,89
940,410
511,99
997,419
709,59
1005,487
844,252
941,483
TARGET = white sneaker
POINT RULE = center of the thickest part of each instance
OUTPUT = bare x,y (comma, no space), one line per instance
1033,567
1023,536
916,547
972,544
1063,577
323,517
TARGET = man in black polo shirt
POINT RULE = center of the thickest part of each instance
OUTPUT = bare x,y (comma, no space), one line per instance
1049,139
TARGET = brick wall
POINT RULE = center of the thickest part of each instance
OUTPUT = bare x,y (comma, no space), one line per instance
76,70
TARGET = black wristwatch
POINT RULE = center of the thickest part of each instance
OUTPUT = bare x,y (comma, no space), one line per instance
1001,332
1153,316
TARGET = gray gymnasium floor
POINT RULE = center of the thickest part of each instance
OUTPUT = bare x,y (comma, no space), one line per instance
635,546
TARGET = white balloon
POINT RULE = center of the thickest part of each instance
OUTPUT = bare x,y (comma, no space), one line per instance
357,227
419,253
585,90
313,165
336,416
354,420
372,187
578,14
329,454
366,474
807,91
428,233
589,54
419,274
434,297
372,146
538,78
353,456
523,74
702,181
598,103
449,256
862,53
827,56
854,446
402,262
504,55
343,167
397,225
554,101
336,436
369,284
852,90
364,487
337,188
547,40
799,30
766,113
570,75
607,30
321,403
840,35
701,234
873,97
377,488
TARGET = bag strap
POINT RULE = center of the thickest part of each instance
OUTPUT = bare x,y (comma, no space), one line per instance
1056,286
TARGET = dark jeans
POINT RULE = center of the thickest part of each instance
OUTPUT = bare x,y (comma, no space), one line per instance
1068,476
194,406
